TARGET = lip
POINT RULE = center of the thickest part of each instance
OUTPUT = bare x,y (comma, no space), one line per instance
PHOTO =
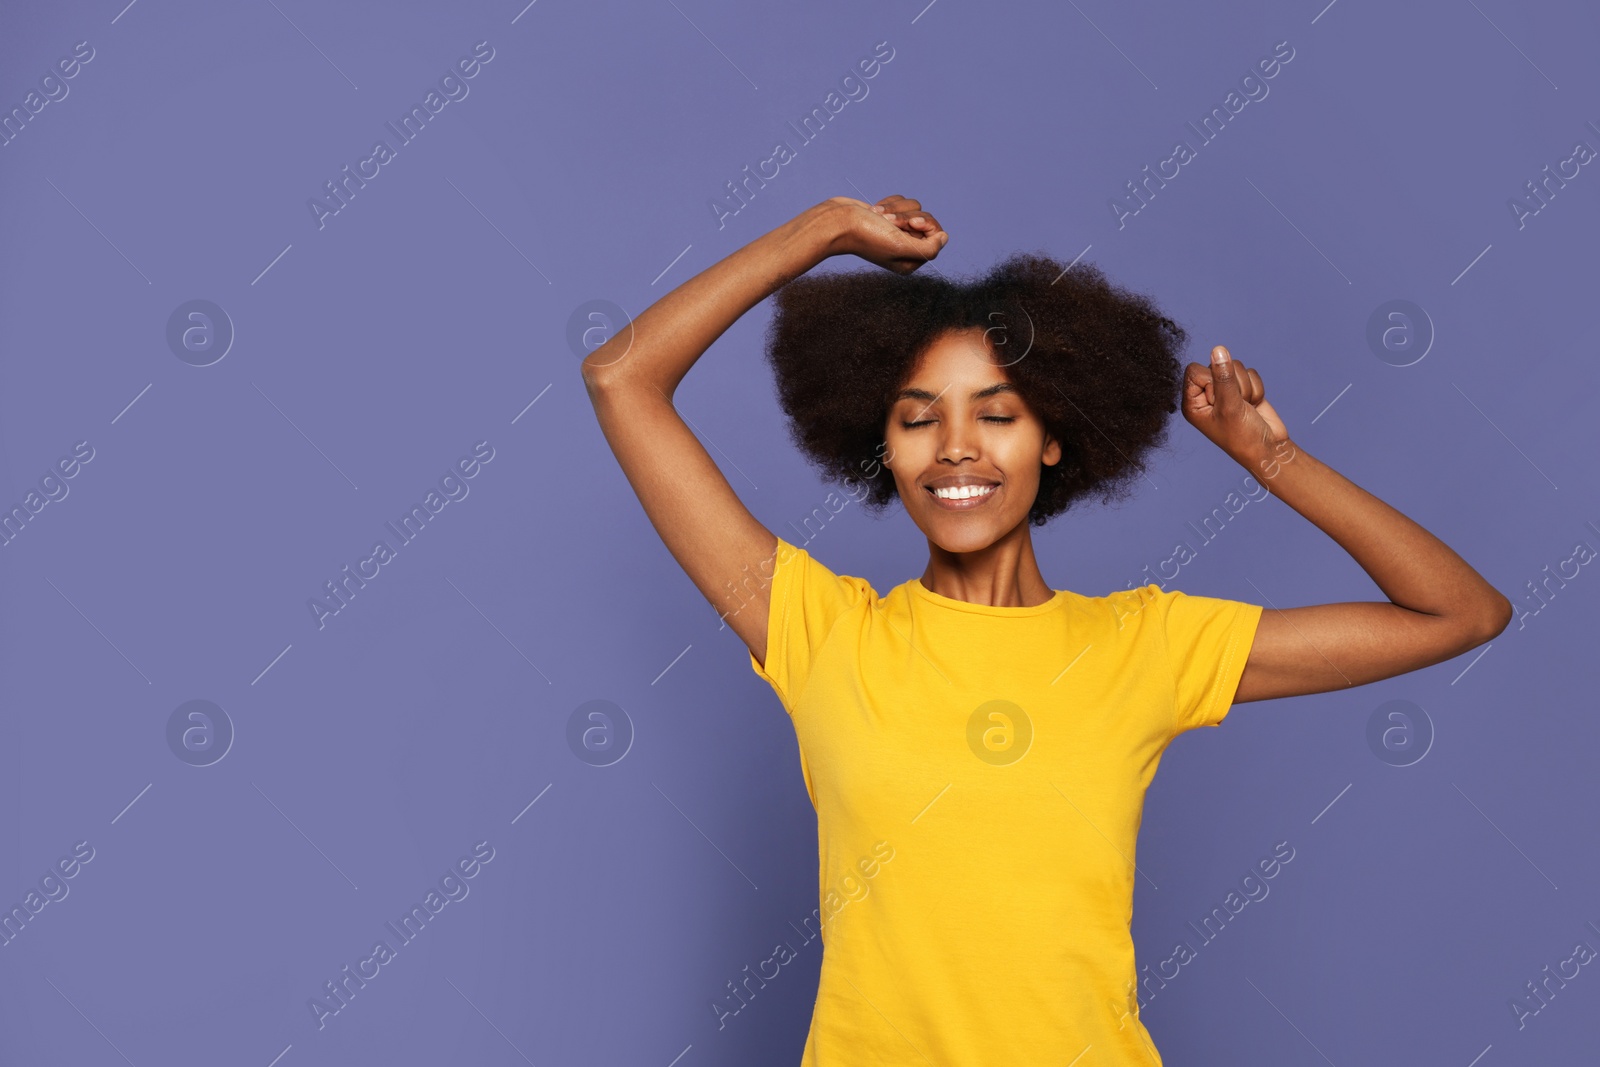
962,505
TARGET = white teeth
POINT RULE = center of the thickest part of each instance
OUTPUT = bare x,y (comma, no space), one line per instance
964,492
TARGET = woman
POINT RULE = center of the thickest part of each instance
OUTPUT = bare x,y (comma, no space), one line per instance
977,744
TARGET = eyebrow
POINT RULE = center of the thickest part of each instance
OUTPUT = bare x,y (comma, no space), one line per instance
981,394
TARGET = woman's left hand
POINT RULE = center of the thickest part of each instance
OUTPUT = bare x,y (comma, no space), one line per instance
1228,403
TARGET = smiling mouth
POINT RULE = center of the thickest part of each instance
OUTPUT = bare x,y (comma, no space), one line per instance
964,498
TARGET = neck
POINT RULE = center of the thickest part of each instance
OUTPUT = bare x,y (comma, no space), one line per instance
1004,574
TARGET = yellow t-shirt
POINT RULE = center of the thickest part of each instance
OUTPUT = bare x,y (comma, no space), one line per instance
979,776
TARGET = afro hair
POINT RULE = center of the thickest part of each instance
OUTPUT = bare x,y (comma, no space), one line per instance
1098,365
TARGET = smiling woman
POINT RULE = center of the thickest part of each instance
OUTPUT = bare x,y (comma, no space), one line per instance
1025,722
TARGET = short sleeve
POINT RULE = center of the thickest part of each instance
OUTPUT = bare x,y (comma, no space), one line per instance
1208,642
807,600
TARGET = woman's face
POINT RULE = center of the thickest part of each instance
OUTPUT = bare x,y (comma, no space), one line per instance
958,422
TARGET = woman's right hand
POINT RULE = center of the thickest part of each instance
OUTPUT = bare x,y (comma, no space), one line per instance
895,233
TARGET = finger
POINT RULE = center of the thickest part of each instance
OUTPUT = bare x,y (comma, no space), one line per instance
917,224
914,220
1241,374
899,206
1258,395
1225,391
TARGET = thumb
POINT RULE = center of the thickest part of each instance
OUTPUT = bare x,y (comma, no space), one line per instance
1225,383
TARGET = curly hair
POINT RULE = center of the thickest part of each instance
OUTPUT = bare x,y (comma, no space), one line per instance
1099,367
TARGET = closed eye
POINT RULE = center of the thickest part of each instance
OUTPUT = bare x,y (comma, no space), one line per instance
982,418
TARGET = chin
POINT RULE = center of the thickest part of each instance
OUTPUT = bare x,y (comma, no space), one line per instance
959,536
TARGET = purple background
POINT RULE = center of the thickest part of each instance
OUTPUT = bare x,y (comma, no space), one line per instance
429,313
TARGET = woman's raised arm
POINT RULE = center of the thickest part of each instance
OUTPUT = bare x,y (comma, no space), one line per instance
631,378
1438,606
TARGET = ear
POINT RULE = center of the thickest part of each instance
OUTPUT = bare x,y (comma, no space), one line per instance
1052,451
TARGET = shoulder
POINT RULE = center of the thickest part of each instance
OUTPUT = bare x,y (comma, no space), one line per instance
796,569
1127,608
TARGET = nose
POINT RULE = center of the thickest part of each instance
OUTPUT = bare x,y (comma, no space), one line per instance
957,440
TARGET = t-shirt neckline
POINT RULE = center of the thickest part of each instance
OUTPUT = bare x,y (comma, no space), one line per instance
928,596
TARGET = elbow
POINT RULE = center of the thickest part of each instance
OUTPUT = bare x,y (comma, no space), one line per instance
593,376
606,372
592,383
1494,621
598,377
